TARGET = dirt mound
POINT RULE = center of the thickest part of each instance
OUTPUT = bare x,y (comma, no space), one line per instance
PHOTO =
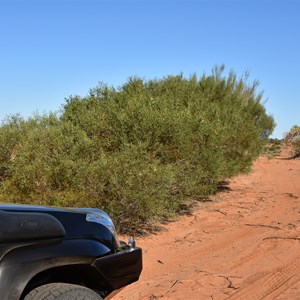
244,245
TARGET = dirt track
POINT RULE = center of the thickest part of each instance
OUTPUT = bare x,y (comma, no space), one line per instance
245,245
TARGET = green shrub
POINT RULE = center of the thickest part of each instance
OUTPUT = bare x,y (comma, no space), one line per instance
139,151
292,139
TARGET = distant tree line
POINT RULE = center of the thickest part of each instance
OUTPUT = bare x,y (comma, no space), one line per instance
140,151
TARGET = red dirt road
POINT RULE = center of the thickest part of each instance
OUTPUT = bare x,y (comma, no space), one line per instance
244,245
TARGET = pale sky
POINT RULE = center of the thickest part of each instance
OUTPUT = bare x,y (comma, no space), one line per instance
50,50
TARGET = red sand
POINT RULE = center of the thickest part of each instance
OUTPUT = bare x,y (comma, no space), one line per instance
244,245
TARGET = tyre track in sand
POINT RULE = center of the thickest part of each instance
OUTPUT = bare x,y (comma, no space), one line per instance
272,284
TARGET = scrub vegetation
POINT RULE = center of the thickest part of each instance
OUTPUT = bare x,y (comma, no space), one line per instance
141,151
273,148
292,140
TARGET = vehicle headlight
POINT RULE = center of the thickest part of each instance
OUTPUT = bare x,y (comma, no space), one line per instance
102,218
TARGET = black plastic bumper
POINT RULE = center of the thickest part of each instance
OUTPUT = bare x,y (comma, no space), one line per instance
122,268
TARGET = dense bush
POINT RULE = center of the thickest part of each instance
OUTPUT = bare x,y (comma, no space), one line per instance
292,139
139,151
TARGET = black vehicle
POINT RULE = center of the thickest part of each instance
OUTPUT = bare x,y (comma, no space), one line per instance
55,253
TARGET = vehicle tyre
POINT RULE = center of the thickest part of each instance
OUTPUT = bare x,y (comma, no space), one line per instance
62,291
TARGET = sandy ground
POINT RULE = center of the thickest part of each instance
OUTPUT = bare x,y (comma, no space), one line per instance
244,245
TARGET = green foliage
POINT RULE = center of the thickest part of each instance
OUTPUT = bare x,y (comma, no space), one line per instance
272,148
292,139
139,151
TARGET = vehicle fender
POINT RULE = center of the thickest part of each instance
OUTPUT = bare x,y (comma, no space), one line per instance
19,265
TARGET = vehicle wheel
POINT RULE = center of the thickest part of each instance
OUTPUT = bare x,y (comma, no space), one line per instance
62,291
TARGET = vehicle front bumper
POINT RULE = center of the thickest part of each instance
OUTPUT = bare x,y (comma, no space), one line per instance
121,268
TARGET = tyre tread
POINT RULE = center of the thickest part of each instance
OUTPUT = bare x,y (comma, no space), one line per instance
60,291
